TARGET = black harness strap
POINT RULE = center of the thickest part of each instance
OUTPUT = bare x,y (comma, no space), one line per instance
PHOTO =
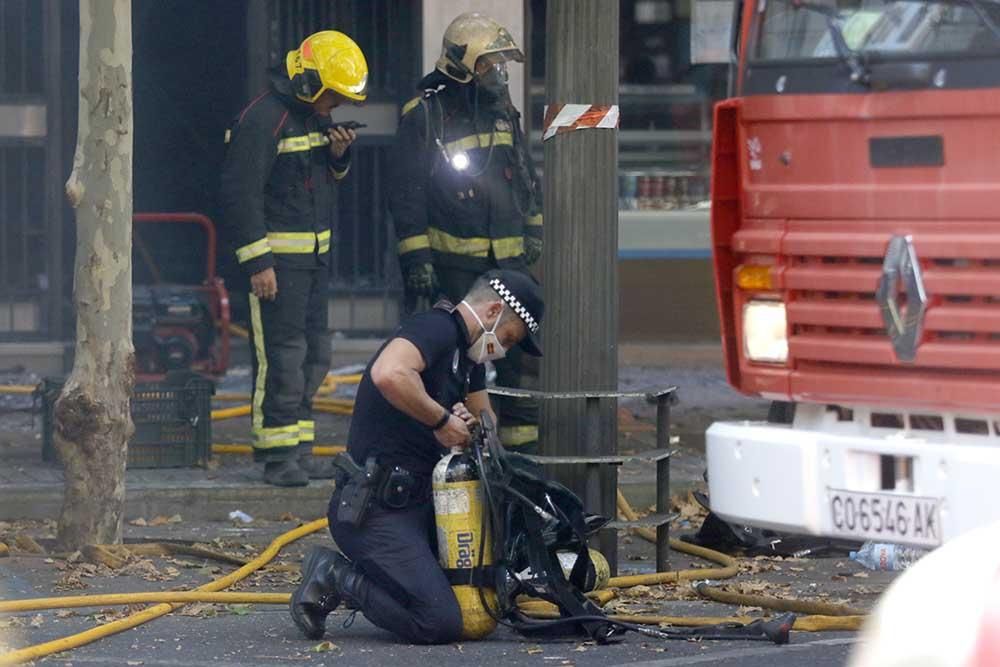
480,577
571,602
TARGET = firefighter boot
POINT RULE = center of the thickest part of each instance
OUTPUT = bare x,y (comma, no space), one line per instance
285,473
314,466
323,572
317,468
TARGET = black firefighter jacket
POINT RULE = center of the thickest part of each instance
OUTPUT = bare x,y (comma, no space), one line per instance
278,187
474,218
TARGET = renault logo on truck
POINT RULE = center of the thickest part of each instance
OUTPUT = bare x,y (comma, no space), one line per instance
901,275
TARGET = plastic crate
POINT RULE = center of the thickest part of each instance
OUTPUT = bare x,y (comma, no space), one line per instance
173,421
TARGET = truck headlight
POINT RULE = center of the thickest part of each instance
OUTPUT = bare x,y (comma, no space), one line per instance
765,331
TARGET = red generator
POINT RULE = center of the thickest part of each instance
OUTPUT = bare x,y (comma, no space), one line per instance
180,314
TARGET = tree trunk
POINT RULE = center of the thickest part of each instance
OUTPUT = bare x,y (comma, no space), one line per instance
92,421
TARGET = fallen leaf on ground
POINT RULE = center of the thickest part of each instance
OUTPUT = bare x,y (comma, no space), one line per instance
203,609
533,650
70,582
860,575
323,647
240,609
27,544
160,521
37,621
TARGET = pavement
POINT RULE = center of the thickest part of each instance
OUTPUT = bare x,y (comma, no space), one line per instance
192,506
232,635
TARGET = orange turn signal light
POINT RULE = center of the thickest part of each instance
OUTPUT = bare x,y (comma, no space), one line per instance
751,277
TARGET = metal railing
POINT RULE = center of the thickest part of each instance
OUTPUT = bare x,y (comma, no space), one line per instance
593,460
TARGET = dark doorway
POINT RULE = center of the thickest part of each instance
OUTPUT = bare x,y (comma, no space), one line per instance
190,78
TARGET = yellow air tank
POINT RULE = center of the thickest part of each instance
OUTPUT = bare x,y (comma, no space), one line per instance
459,508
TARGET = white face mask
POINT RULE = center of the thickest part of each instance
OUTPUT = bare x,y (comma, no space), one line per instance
487,347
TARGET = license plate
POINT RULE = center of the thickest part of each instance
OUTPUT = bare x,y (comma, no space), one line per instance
886,517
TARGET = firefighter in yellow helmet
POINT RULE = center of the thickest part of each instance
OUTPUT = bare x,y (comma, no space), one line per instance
279,204
465,197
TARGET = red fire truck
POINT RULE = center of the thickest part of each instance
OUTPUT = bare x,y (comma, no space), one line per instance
856,236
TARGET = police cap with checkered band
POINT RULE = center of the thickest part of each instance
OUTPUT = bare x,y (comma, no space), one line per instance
523,295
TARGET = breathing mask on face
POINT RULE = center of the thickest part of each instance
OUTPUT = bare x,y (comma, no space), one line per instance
487,347
493,82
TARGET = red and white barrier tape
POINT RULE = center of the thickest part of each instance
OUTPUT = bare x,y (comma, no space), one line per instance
561,118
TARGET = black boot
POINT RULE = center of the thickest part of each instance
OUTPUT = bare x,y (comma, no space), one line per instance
320,590
285,473
317,468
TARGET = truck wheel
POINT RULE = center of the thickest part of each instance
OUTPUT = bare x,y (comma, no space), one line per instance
781,412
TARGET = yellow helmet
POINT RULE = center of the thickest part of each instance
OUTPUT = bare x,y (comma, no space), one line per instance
328,60
469,37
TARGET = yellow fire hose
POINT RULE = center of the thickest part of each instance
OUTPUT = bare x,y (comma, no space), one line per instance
238,331
16,389
318,450
112,599
335,406
83,638
777,604
834,617
822,615
229,413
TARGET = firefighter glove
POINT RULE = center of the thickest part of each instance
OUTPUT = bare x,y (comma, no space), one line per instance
421,280
532,249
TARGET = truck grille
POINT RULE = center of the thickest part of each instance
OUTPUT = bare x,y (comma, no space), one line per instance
835,325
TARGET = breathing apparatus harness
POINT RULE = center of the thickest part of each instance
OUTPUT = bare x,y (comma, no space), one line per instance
434,136
530,518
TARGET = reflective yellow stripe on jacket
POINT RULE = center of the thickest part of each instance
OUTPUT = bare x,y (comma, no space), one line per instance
252,250
513,436
292,242
484,140
302,142
445,242
441,241
512,246
302,243
413,243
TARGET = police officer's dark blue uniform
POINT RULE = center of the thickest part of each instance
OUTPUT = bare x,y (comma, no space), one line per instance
392,574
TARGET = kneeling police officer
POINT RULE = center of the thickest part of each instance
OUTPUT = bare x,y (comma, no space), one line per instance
416,401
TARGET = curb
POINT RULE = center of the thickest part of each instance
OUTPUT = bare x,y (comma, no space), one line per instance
199,502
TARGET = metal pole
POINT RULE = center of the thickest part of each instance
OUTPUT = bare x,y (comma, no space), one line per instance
592,447
663,481
579,261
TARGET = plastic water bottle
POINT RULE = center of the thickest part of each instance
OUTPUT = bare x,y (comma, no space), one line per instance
887,557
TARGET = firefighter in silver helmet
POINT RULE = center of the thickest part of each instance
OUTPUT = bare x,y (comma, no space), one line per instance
465,197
